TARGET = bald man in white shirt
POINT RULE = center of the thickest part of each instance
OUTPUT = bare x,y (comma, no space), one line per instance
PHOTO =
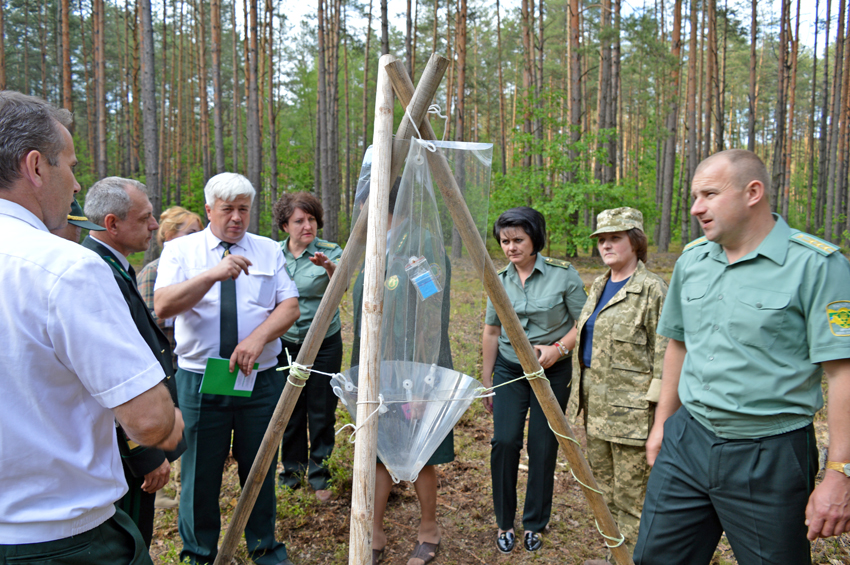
62,388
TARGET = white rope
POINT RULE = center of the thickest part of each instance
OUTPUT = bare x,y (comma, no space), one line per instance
375,411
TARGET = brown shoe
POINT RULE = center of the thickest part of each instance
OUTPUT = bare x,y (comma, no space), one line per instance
324,495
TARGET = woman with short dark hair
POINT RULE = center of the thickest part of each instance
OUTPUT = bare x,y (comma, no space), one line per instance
311,263
618,376
547,295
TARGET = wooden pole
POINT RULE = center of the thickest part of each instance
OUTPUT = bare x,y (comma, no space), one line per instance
350,259
369,377
442,174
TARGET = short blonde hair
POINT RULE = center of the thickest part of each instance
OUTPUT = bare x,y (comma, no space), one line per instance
172,220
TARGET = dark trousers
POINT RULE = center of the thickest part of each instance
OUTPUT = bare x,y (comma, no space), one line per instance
212,423
511,405
754,490
115,542
139,505
316,410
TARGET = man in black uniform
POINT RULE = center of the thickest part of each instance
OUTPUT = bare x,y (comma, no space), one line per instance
122,208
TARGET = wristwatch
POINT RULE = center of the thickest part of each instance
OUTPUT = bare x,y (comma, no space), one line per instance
840,467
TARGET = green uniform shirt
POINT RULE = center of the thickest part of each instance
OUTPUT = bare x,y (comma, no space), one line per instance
756,330
548,306
311,281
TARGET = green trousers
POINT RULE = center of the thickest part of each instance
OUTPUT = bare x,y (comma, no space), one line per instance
511,405
215,424
115,542
755,490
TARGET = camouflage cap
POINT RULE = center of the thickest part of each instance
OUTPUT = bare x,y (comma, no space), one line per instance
79,219
618,219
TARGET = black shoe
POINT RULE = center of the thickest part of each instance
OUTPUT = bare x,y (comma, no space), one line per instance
532,541
506,542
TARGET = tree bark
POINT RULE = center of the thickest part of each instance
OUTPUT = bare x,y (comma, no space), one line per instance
786,188
321,138
255,147
575,88
385,37
218,119
780,118
837,84
457,242
671,126
67,93
693,148
149,118
823,130
272,113
236,137
502,137
366,78
811,135
201,24
100,83
751,99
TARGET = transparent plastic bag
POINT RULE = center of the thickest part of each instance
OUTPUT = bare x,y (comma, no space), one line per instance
417,367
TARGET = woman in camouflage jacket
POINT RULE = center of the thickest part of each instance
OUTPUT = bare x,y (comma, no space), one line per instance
619,369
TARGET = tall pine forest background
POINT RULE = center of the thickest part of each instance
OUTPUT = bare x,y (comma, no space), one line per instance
590,105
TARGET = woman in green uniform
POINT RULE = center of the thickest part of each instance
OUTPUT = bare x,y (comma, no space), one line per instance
310,262
618,376
547,295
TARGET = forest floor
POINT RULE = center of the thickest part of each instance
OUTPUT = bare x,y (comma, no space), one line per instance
317,533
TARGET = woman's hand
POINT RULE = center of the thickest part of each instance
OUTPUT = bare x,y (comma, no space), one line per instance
321,260
547,355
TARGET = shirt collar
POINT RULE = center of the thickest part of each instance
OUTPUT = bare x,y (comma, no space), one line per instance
539,265
213,241
15,210
120,256
311,247
774,246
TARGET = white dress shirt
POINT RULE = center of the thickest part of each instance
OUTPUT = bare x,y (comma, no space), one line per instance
197,330
70,353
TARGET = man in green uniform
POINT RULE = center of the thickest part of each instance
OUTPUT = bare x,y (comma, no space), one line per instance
754,317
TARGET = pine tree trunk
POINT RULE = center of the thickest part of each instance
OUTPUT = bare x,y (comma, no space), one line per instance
235,134
786,188
823,130
322,113
200,25
67,92
182,114
751,99
780,118
575,87
693,149
255,147
457,242
149,118
271,111
385,38
218,119
502,136
837,85
366,77
811,135
100,83
603,100
671,126
347,81
711,75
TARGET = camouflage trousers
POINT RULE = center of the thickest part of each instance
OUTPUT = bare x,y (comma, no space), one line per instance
621,472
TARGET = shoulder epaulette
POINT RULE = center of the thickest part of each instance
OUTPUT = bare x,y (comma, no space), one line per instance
558,263
401,243
816,243
503,269
696,242
326,245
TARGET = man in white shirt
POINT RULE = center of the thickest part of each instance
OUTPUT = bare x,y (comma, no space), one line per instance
63,387
232,299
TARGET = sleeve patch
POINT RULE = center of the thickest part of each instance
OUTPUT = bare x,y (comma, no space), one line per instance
812,242
838,316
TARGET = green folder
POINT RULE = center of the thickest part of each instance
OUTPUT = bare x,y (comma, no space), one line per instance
219,380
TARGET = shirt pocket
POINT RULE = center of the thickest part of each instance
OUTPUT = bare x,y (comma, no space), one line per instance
693,297
628,348
628,414
759,316
260,287
550,312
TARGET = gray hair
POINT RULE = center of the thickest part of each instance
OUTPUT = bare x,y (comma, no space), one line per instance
109,196
28,124
227,187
